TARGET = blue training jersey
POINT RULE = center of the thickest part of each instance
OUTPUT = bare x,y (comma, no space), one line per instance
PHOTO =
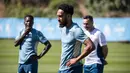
28,47
72,39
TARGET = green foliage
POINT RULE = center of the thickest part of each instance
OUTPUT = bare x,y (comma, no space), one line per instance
97,8
20,11
55,3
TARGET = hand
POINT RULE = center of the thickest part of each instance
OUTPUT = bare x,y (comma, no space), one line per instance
71,62
27,30
35,57
105,62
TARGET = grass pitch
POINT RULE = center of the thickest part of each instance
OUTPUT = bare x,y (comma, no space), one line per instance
118,58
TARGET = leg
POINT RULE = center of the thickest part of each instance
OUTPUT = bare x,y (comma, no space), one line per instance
97,68
20,69
63,71
76,69
86,68
31,67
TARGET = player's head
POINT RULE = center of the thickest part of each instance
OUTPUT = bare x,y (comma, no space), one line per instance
64,14
28,21
88,22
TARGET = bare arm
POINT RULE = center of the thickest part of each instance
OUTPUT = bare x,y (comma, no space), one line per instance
105,52
89,47
20,39
45,50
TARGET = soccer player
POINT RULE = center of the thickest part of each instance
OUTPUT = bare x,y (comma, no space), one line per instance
95,61
28,40
72,37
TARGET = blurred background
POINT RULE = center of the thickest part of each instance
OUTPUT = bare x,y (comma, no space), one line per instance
47,8
112,17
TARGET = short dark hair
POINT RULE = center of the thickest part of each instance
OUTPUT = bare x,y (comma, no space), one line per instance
88,17
67,8
30,16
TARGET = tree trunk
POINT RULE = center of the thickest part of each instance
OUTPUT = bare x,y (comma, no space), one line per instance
2,8
82,8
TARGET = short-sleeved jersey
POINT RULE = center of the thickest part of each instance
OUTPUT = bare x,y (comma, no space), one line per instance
96,56
72,39
28,47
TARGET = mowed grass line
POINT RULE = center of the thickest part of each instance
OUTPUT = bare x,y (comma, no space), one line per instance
9,57
118,58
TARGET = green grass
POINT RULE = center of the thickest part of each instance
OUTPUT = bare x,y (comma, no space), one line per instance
118,58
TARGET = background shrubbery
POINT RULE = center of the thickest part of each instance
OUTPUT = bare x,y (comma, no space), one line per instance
47,8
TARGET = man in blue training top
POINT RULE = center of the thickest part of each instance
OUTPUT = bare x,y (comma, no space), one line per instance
72,37
28,40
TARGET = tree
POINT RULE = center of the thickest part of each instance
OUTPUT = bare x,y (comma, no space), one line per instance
2,8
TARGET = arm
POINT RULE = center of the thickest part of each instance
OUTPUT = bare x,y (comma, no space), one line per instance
45,50
105,52
89,47
20,39
103,44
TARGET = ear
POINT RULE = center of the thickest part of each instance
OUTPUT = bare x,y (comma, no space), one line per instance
68,15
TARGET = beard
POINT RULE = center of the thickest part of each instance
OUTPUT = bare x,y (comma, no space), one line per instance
62,24
86,27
